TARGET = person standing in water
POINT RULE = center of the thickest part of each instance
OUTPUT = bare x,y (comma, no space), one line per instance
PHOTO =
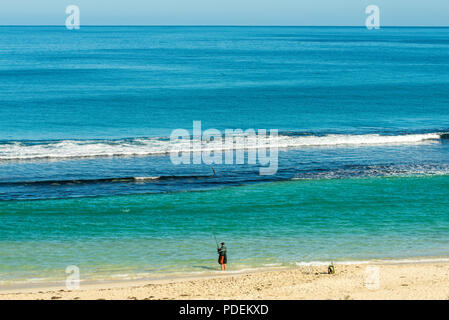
222,256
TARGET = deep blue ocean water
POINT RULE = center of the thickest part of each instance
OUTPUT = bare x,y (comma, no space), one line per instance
82,113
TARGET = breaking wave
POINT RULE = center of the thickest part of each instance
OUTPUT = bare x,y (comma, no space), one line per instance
66,149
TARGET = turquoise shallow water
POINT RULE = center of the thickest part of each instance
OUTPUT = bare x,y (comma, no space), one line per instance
278,223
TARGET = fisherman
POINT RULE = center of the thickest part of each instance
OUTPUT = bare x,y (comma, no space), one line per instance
222,257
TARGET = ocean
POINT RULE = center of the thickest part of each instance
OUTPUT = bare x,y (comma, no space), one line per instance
85,173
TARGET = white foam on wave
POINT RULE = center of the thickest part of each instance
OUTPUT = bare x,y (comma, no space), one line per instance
326,263
374,261
342,140
146,178
396,170
415,260
67,149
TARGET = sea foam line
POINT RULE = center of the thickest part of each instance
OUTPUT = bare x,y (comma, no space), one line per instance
66,149
374,261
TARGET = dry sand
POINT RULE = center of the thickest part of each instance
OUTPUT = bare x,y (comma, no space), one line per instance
400,281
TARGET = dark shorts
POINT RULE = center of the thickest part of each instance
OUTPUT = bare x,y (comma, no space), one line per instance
222,259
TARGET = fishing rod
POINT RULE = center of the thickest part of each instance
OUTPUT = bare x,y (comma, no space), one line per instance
216,242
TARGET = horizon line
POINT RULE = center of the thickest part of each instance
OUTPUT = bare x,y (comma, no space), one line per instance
224,25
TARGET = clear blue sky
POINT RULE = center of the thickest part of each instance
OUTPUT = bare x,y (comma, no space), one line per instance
225,12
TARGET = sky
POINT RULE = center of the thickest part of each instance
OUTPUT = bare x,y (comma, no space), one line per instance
226,12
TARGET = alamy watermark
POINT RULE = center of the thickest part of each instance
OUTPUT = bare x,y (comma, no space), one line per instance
72,281
372,277
373,20
73,20
229,147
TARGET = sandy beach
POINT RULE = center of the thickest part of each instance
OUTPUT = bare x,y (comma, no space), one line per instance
358,281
